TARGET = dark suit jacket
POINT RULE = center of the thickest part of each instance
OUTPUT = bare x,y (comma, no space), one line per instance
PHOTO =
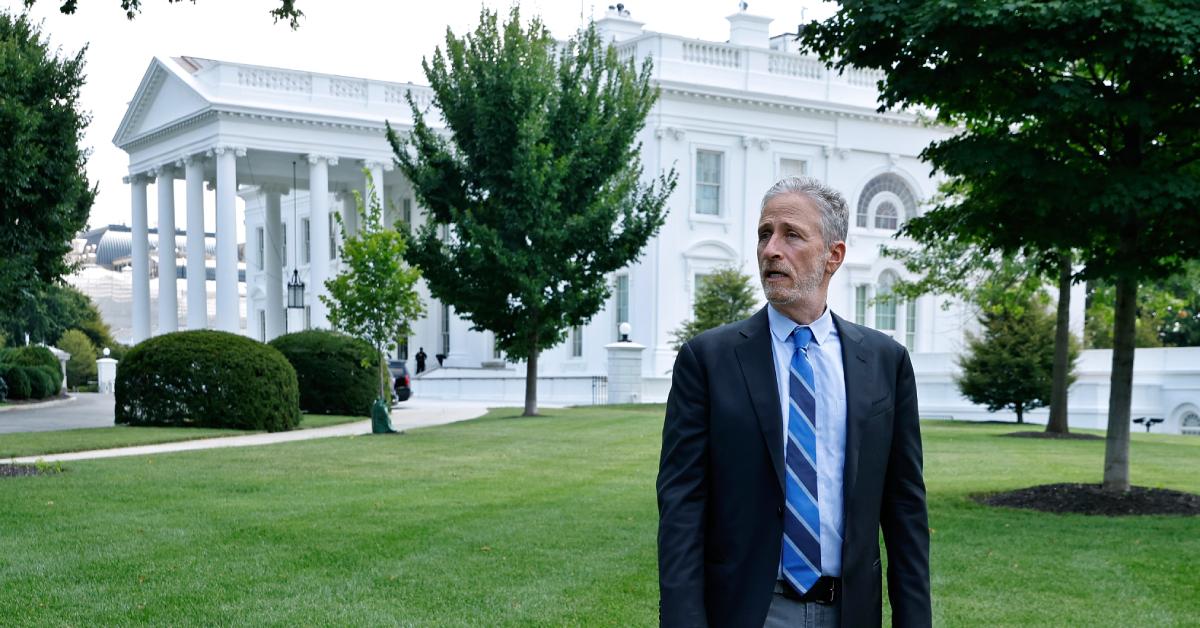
720,481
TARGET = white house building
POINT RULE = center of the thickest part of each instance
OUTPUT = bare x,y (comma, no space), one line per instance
732,118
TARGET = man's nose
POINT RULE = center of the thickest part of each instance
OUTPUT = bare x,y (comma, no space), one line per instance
771,248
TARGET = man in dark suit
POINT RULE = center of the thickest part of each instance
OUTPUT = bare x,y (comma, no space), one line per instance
791,438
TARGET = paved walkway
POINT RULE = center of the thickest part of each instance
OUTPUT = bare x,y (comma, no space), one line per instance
411,414
81,410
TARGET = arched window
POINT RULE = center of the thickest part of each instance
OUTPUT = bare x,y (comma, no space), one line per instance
886,215
884,201
1190,424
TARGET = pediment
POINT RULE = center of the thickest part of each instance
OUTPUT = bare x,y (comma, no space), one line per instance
711,250
162,98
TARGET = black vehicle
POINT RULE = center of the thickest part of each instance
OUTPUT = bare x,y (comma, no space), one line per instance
401,383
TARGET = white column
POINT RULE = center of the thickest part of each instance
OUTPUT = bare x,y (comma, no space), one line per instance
228,315
141,259
376,169
273,261
197,287
318,221
168,304
349,213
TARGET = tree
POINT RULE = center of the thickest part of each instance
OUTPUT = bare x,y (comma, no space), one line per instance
1084,141
1011,365
81,367
723,297
991,279
47,311
285,11
375,297
1168,312
44,193
534,194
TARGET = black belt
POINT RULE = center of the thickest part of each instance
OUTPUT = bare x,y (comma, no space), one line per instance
824,591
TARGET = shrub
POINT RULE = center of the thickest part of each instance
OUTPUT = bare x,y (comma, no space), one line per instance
81,368
17,379
207,379
43,382
330,369
30,356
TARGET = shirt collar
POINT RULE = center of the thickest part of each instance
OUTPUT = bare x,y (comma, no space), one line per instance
782,326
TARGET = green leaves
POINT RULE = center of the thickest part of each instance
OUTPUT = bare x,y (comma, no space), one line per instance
375,296
534,195
722,297
44,192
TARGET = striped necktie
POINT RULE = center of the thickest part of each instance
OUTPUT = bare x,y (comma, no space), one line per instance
802,524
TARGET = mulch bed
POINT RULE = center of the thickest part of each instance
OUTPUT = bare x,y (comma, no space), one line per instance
1091,499
19,470
1054,435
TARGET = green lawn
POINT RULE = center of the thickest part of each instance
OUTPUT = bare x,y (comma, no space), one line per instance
543,521
63,441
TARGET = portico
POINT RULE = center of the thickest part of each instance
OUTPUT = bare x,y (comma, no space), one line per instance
263,139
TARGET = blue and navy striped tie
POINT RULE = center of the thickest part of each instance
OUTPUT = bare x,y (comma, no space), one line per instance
802,523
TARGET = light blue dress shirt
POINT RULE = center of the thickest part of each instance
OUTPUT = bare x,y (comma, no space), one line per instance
825,355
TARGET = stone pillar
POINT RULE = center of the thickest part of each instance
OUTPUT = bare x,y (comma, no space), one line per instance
376,169
228,314
273,261
318,224
197,275
168,305
349,213
106,374
141,259
624,372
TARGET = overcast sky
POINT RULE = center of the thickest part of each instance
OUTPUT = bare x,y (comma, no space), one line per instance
370,39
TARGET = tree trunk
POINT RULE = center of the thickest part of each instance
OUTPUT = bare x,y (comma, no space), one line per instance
383,376
1062,345
1020,413
531,385
1116,450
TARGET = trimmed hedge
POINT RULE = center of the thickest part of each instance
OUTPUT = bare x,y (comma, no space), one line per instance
43,382
329,367
17,378
207,378
30,356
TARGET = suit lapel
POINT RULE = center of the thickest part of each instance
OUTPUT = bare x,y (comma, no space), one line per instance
859,383
756,360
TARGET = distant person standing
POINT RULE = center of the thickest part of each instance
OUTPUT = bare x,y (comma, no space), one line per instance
421,360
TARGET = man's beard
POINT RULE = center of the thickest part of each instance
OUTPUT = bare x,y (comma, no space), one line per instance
802,287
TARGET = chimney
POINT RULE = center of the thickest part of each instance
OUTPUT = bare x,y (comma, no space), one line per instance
749,30
617,25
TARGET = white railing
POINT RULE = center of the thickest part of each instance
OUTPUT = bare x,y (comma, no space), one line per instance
720,55
275,80
795,65
863,78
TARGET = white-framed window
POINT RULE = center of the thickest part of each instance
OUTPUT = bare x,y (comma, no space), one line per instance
308,317
622,306
860,304
1190,424
791,167
333,237
284,231
402,348
698,281
710,166
445,329
885,304
406,214
260,241
910,325
885,202
577,341
262,325
886,215
305,242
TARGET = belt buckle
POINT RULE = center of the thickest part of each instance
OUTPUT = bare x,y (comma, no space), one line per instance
828,598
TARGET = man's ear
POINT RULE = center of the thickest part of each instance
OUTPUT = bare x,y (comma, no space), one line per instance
837,255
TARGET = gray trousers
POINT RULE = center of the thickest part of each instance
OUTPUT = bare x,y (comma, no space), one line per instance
788,613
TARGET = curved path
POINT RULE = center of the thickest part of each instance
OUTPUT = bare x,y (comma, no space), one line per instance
411,414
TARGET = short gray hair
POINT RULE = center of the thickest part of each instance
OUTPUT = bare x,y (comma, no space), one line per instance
835,214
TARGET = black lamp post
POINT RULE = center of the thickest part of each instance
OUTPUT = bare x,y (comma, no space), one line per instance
295,289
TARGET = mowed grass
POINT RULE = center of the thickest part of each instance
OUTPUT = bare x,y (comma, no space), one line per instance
64,441
508,521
